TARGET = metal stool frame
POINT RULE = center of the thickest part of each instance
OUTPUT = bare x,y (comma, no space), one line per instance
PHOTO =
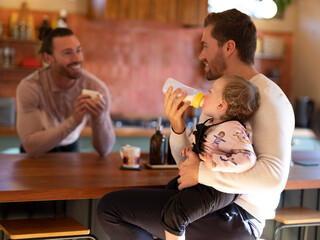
305,230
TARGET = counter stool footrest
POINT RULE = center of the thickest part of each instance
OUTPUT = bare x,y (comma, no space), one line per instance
90,236
289,217
45,228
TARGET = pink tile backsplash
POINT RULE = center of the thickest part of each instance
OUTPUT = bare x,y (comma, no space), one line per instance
134,59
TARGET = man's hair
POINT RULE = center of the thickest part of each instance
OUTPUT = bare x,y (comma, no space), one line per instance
242,97
49,35
237,26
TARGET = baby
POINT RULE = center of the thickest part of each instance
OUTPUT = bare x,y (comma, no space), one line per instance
222,142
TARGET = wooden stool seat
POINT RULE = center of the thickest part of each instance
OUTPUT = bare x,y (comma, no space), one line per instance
44,228
296,217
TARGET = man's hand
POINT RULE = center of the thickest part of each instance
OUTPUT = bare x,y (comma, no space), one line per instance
95,106
189,171
79,108
85,104
174,108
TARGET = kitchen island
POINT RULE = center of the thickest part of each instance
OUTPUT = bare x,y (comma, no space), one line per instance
80,179
135,136
303,139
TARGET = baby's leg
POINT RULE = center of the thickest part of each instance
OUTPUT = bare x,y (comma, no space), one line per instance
191,204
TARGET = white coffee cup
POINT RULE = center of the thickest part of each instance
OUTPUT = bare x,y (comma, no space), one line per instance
93,94
130,156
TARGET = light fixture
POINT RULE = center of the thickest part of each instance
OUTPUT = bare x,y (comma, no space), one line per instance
264,9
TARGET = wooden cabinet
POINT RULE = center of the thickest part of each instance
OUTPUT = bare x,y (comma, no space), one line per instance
185,12
274,57
10,76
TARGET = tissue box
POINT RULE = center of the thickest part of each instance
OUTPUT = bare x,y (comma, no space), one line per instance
7,111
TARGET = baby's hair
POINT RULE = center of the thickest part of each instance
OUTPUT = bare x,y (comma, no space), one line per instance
242,97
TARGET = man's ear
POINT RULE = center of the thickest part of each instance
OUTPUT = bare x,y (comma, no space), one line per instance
230,47
47,58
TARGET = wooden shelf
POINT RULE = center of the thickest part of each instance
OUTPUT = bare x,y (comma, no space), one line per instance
13,40
11,76
268,57
276,66
18,69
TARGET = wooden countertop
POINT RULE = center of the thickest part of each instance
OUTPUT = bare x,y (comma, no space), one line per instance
304,177
120,132
66,176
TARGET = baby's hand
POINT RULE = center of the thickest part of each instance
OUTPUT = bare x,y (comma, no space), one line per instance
185,152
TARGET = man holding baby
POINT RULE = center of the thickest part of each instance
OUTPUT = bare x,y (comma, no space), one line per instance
53,104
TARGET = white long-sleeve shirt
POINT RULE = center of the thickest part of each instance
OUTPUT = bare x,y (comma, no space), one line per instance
271,129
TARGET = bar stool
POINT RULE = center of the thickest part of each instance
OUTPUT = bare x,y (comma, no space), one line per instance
296,217
45,228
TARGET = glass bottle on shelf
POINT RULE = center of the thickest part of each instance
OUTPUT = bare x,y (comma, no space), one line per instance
62,21
158,146
44,27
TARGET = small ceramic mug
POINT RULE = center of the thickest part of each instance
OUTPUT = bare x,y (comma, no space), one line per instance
130,156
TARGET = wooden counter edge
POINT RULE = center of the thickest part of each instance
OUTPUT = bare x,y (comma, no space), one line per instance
65,194
86,132
302,184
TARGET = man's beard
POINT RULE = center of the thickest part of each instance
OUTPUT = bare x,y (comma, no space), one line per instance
64,71
218,67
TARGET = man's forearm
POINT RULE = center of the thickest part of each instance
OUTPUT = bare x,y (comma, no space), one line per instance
41,141
103,135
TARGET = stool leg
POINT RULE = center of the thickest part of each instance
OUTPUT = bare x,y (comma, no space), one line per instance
305,233
277,231
93,237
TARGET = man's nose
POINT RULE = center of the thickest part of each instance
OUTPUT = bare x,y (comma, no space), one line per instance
201,58
77,57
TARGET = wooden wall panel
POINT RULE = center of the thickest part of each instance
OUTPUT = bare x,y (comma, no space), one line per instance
125,10
96,9
159,10
188,12
112,8
143,10
203,11
185,12
192,12
172,11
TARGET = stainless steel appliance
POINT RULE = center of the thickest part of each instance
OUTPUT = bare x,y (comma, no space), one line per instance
304,110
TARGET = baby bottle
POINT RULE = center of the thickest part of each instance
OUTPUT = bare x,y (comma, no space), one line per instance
194,96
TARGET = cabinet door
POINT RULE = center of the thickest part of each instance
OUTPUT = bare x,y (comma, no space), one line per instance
274,56
185,12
